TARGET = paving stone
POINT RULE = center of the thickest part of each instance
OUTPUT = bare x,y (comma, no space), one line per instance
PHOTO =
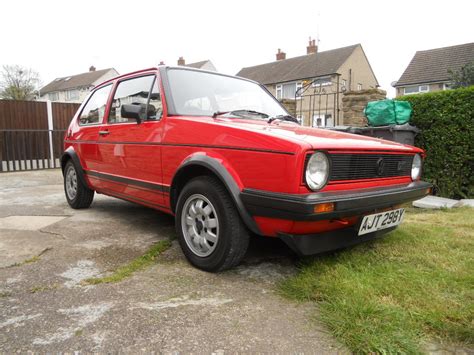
466,202
28,223
435,202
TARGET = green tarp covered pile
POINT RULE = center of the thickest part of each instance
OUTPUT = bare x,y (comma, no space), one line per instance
388,112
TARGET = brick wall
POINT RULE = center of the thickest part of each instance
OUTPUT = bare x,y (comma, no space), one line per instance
354,102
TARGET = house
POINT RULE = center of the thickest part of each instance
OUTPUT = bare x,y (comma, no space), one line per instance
75,88
205,64
428,70
315,81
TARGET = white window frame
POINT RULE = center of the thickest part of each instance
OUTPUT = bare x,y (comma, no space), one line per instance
344,83
324,83
420,91
359,87
70,97
278,91
53,96
299,85
315,119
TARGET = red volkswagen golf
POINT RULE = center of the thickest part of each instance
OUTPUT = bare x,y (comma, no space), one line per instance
226,159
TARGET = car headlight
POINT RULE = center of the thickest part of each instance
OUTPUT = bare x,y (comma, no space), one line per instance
416,167
317,171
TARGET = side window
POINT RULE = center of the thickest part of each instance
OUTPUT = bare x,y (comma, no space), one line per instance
136,91
94,111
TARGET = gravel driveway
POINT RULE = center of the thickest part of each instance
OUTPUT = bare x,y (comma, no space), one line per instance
47,249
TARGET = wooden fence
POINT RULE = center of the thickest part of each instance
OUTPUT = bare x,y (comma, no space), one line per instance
32,133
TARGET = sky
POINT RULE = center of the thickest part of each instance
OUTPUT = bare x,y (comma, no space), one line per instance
62,38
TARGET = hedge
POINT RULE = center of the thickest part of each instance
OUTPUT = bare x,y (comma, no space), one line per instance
446,120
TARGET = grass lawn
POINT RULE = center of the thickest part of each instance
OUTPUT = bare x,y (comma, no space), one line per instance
400,293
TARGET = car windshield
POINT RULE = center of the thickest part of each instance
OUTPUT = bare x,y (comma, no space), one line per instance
197,93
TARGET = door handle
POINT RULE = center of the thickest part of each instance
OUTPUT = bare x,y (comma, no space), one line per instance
104,133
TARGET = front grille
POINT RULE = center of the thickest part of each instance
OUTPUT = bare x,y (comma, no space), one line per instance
369,166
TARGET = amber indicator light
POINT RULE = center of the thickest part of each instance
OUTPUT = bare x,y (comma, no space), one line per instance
324,207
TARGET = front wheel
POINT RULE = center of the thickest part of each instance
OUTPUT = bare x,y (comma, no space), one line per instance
210,230
78,195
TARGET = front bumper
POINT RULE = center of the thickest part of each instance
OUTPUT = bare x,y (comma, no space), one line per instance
346,203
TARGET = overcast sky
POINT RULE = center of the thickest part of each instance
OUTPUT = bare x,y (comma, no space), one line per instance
61,38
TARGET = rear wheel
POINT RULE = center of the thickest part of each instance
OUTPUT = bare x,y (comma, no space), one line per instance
210,230
78,195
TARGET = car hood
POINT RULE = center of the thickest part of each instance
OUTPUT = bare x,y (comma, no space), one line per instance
318,138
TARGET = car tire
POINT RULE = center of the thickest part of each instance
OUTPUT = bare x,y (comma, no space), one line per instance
78,195
210,231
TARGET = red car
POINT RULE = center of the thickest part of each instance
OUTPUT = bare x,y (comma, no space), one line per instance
223,156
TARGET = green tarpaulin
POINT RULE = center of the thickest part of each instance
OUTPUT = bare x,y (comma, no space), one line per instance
388,112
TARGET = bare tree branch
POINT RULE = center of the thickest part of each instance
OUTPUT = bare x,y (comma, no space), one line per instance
18,83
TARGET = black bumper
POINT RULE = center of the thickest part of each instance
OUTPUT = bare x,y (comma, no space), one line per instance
346,203
333,240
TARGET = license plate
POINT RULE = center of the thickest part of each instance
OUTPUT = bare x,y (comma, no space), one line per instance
383,220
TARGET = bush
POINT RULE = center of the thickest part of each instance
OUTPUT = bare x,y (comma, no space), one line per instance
446,120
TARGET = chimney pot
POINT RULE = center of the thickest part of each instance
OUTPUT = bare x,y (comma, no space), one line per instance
161,63
181,61
91,68
280,55
312,47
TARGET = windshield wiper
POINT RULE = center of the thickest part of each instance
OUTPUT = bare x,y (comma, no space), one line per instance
239,113
283,118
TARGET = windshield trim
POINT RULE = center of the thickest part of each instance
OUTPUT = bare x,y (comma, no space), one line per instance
169,95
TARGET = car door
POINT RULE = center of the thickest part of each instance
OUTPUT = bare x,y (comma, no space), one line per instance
130,149
86,138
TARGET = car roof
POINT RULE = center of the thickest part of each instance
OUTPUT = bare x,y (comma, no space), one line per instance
134,73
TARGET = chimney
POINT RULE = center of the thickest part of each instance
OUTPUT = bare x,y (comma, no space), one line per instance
161,63
312,47
91,68
181,61
280,55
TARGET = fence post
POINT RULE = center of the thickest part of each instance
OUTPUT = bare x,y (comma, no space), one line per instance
49,109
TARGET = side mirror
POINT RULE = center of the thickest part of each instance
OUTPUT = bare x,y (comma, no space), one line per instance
131,111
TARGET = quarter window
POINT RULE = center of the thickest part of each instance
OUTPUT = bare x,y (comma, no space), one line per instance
94,110
136,91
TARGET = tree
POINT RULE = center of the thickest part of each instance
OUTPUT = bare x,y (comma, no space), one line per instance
18,83
462,77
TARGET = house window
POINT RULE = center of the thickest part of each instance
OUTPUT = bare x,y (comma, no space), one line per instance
326,81
53,96
72,95
359,87
278,91
416,89
299,90
323,120
287,91
343,84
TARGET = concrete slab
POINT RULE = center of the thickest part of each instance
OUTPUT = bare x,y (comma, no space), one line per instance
28,223
17,246
466,202
169,306
435,202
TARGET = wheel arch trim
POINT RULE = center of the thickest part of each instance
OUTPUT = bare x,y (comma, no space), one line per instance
223,174
70,154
